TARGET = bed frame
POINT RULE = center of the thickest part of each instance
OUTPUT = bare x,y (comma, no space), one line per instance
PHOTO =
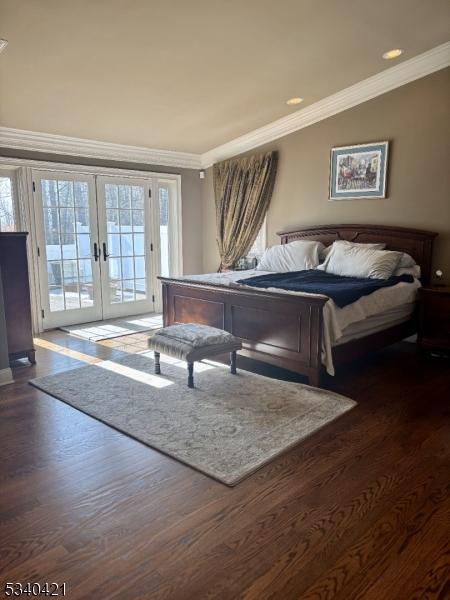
286,330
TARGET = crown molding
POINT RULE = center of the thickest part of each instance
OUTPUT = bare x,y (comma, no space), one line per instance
389,79
60,144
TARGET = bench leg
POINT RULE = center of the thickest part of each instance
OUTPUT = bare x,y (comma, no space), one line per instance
190,367
157,364
233,362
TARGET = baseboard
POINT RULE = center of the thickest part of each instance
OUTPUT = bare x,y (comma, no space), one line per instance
6,376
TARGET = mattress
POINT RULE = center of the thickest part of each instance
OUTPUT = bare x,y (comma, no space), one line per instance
375,323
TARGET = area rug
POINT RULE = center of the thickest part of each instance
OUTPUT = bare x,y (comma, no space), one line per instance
112,328
226,427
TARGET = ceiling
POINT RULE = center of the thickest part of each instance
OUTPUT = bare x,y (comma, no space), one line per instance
189,75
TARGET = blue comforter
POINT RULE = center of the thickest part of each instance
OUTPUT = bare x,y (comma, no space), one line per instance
343,290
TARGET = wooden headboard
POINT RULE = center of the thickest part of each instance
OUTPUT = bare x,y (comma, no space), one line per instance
417,243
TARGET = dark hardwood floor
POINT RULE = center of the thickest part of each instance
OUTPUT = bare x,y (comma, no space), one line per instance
359,510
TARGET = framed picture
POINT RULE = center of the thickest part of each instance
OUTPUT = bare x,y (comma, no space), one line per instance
358,171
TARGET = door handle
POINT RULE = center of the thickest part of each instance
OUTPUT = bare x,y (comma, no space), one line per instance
96,253
105,254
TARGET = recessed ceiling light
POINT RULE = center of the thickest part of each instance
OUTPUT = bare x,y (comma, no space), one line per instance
3,44
293,101
395,53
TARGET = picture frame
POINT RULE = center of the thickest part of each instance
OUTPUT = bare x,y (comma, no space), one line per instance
358,171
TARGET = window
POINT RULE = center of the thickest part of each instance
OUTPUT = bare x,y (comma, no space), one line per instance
259,245
164,230
169,229
8,205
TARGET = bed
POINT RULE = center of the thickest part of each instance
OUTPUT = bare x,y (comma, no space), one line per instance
289,330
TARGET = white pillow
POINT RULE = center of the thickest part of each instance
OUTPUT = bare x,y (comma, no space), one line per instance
406,261
376,246
296,256
414,271
357,261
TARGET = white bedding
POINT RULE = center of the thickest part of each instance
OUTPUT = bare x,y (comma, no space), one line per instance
337,321
374,323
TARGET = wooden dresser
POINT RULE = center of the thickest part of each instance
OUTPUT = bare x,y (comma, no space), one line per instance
16,294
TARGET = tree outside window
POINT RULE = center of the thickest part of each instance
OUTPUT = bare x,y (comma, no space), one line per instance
7,216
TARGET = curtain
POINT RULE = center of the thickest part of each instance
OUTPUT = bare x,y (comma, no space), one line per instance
243,189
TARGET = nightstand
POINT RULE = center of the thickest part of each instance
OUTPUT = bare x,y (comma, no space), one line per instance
434,318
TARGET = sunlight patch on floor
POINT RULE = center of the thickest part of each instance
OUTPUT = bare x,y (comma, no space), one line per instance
156,381
100,331
146,322
66,351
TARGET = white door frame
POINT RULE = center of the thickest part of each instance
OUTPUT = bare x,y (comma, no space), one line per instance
27,221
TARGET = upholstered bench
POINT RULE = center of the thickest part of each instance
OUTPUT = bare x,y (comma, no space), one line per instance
191,342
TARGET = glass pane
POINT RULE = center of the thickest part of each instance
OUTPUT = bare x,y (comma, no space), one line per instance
87,296
7,220
124,196
127,268
86,283
71,295
54,273
65,193
70,272
139,244
112,220
125,221
115,292
49,192
67,238
85,269
128,290
111,195
137,197
84,245
164,230
69,247
82,219
126,241
164,206
140,289
139,266
67,220
51,225
138,220
56,297
257,250
81,193
113,244
53,251
115,271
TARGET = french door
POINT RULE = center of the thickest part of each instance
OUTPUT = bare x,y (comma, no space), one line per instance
125,231
96,241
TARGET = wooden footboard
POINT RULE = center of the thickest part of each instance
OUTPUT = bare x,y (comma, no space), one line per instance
279,329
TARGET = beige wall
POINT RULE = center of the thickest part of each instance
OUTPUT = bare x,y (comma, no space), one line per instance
414,118
190,192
